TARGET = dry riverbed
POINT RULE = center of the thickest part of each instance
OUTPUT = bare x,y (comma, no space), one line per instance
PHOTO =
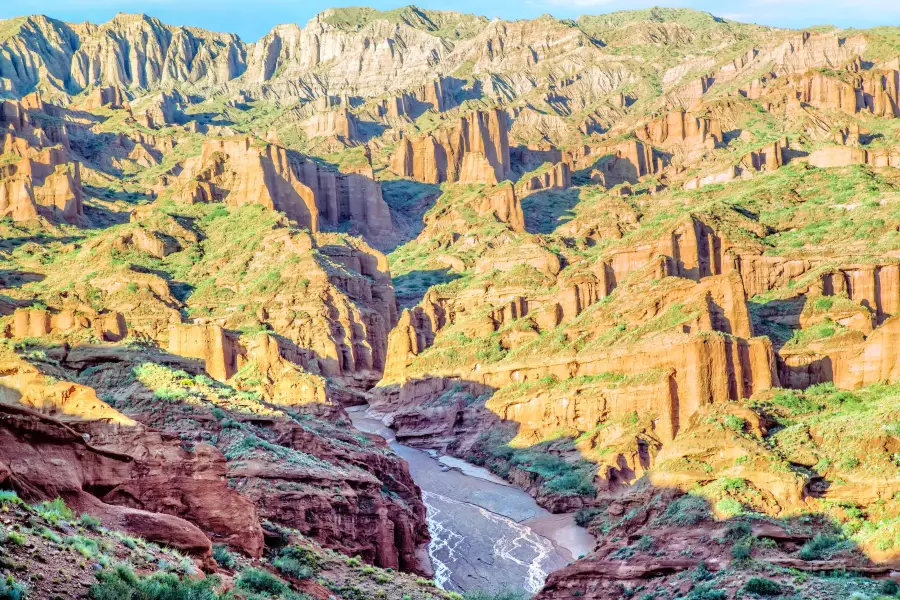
486,534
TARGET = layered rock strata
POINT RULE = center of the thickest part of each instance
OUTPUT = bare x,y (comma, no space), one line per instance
475,150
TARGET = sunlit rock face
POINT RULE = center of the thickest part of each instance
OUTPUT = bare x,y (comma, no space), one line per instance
642,266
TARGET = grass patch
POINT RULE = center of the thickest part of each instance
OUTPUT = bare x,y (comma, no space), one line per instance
121,583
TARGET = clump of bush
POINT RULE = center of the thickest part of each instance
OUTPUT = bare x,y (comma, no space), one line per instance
298,562
10,589
584,516
763,586
735,423
501,595
261,582
706,592
687,510
223,557
55,511
121,583
820,546
90,522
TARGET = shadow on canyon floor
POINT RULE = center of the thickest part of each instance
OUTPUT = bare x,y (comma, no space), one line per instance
409,201
547,210
411,287
12,278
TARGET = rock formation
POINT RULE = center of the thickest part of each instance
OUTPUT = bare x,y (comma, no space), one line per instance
30,322
842,156
336,123
505,204
110,97
557,177
240,172
623,163
162,493
47,185
681,128
875,92
475,150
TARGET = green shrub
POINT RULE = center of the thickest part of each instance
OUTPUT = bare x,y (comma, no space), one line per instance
50,535
55,511
737,530
888,587
762,586
733,484
687,510
645,544
729,507
224,557
260,581
10,589
298,562
584,516
819,546
735,423
90,522
16,538
121,583
87,547
742,550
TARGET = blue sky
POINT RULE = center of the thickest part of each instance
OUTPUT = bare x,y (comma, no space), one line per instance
253,18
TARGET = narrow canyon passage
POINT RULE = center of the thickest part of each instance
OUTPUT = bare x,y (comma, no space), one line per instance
486,534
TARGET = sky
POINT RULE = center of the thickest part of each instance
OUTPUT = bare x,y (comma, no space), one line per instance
251,19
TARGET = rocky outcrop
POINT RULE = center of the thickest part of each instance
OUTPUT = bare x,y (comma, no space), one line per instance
106,97
157,235
241,172
692,250
875,287
504,203
850,361
209,343
340,124
768,158
842,156
475,150
32,322
703,370
624,163
875,92
807,50
674,377
133,479
532,157
556,177
724,176
432,96
297,464
684,129
48,185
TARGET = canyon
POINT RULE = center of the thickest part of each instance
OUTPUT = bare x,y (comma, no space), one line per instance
430,304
